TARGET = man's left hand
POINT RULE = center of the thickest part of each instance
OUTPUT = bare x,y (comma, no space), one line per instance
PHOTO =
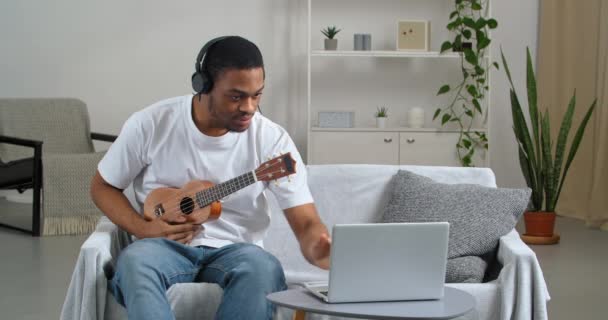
321,250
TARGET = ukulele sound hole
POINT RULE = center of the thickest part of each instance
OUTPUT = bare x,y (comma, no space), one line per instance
186,205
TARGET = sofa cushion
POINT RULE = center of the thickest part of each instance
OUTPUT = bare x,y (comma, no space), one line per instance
478,215
469,269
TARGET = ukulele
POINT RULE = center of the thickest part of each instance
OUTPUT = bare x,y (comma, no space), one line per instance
203,197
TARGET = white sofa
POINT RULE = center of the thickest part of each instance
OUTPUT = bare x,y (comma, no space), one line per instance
343,194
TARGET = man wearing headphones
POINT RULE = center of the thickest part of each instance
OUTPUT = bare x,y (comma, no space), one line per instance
215,134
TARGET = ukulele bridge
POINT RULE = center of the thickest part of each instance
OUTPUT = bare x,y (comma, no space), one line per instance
159,210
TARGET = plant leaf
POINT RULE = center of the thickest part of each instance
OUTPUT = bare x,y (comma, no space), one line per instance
453,14
476,6
574,147
547,161
437,112
446,46
446,117
470,56
472,90
492,23
445,88
532,104
480,23
504,64
467,33
496,65
560,147
522,135
468,22
477,105
483,43
528,175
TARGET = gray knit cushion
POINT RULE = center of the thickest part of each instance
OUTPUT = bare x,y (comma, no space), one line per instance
470,269
478,215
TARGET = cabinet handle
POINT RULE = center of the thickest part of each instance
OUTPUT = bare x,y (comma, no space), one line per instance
410,140
389,140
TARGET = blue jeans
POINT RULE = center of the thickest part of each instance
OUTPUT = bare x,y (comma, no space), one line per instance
148,267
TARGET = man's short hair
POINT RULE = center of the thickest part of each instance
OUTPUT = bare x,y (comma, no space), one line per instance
234,52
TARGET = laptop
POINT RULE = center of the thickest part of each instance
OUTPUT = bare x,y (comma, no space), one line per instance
385,262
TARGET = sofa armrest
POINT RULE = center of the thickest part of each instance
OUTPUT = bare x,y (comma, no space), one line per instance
523,289
86,295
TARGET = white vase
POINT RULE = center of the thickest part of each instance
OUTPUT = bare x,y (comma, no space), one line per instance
381,122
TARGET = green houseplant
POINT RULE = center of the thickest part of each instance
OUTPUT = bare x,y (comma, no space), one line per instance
381,115
470,23
330,32
541,166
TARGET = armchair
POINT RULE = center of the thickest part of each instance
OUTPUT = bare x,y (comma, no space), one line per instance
57,129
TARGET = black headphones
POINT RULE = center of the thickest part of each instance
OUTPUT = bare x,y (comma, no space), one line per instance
201,80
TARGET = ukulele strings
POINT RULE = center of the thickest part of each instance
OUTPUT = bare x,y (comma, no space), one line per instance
178,209
256,173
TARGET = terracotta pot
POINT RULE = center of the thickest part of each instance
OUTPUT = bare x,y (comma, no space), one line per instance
539,223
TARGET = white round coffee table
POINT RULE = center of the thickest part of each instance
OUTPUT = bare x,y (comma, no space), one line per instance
454,303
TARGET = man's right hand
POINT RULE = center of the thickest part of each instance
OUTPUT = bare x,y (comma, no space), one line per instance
157,228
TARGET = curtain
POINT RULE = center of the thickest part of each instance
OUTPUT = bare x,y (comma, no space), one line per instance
573,54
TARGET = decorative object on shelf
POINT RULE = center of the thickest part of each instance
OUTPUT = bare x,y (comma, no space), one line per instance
542,167
415,117
367,42
336,119
413,35
470,23
358,42
381,117
330,33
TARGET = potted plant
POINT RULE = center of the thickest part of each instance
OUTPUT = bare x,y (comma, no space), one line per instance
330,33
381,117
540,165
470,25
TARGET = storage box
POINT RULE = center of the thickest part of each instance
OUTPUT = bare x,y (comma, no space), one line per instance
336,119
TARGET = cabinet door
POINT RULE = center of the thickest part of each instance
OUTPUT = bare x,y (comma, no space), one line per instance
354,147
433,149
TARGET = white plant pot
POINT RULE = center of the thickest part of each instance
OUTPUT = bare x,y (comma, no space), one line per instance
331,44
381,122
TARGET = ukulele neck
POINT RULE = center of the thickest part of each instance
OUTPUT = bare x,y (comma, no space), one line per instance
224,189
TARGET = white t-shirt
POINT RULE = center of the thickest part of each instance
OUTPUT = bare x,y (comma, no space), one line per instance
160,146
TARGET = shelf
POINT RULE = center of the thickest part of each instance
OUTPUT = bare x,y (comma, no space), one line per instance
392,129
386,54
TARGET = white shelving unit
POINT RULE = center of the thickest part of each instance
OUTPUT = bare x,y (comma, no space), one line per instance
416,75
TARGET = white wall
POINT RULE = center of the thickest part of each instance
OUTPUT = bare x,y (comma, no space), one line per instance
518,25
120,56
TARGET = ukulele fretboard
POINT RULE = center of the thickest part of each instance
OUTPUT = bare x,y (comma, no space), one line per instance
219,191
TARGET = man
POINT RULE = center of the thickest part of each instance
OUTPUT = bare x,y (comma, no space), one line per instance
213,135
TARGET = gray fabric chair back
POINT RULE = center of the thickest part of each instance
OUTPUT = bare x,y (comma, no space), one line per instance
61,123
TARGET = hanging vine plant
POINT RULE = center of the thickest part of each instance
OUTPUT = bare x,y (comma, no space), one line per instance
470,24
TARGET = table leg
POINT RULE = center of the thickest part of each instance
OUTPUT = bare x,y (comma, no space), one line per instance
299,314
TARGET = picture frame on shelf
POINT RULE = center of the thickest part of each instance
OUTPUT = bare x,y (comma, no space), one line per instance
413,35
336,119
